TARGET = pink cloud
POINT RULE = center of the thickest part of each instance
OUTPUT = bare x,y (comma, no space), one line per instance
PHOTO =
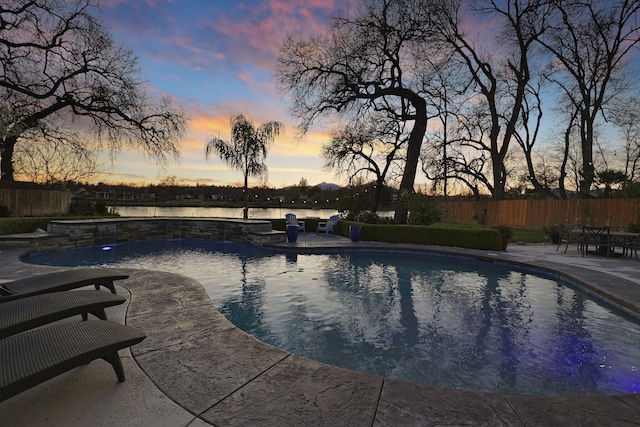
200,55
258,35
245,77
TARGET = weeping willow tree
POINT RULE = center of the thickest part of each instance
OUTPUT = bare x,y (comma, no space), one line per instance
247,149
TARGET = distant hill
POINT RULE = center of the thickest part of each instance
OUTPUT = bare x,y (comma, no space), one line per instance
325,186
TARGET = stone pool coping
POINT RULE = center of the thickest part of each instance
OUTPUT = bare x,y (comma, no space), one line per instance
226,377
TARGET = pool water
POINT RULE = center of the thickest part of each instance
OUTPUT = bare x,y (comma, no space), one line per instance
437,320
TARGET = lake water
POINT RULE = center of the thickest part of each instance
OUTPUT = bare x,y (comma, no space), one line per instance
213,212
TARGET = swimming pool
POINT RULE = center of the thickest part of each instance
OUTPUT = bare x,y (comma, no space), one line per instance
437,320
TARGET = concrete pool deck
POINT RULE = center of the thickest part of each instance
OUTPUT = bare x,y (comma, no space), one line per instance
196,369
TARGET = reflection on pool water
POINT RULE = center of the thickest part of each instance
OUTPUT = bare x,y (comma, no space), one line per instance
431,319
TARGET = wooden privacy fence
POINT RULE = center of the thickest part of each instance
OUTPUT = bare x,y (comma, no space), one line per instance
35,202
534,214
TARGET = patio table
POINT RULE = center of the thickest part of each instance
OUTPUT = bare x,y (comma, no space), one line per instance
606,241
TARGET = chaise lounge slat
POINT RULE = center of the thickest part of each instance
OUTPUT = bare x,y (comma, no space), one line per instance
35,356
60,281
22,314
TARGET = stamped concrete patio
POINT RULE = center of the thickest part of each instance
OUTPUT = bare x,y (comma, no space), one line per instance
196,369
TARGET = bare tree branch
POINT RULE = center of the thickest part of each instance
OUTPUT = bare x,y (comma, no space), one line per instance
57,58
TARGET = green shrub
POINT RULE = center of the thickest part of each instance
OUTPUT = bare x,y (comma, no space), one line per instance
423,209
551,230
367,217
354,201
22,225
84,207
101,208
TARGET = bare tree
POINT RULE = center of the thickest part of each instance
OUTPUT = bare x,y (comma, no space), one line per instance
625,114
445,87
366,61
53,161
460,160
590,41
526,136
366,151
568,157
547,174
500,81
58,59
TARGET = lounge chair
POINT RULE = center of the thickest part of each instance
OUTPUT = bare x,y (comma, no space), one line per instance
22,314
32,357
292,220
327,226
60,281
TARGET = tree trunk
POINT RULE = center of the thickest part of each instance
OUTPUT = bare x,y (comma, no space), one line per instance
499,177
565,156
245,209
6,159
413,156
377,194
537,185
588,171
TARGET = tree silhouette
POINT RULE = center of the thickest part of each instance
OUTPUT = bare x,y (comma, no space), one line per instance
590,43
64,80
247,150
364,62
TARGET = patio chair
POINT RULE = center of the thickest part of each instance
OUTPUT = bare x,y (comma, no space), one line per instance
22,314
629,242
570,234
292,220
32,357
596,236
327,226
60,281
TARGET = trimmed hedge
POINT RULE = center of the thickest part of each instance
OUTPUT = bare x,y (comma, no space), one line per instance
485,239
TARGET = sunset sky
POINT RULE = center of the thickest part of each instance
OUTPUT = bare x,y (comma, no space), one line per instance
214,58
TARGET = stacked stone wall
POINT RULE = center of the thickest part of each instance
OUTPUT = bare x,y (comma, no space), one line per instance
74,233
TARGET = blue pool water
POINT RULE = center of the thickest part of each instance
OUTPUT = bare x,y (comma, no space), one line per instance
430,319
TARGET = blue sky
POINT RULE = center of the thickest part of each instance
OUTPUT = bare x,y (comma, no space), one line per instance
215,58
